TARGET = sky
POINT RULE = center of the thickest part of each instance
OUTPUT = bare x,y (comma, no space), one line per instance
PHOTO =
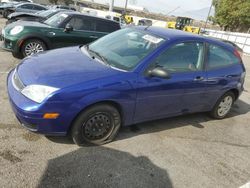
165,6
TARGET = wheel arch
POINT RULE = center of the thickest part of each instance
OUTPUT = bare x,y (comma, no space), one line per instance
235,92
33,36
112,103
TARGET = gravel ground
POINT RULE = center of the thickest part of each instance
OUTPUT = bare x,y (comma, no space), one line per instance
187,151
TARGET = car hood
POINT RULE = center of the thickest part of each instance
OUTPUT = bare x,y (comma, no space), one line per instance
61,68
15,14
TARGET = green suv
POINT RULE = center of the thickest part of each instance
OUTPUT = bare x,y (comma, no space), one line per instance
63,29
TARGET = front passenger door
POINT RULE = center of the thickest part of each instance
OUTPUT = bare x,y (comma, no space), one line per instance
182,93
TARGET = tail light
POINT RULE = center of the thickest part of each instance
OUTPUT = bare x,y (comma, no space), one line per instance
238,54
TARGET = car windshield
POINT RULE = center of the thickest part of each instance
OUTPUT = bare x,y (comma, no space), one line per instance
46,13
56,20
124,49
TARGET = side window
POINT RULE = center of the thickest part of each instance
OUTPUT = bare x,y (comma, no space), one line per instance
38,8
107,27
219,57
82,23
182,57
27,6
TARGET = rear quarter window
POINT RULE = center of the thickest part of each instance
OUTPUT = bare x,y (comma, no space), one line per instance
220,57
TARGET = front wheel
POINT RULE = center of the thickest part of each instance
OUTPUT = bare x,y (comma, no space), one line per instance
97,125
223,105
32,46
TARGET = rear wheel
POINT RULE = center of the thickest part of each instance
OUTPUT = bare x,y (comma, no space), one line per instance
97,125
32,46
223,105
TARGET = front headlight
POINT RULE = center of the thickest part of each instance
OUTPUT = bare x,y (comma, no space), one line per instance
15,30
38,93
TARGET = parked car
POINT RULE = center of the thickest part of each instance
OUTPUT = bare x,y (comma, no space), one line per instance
37,17
145,22
63,29
5,5
127,77
2,4
9,1
23,7
63,7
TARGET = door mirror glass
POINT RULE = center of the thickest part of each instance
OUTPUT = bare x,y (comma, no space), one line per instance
159,72
68,28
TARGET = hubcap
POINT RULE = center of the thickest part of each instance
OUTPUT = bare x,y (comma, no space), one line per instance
98,127
225,106
33,48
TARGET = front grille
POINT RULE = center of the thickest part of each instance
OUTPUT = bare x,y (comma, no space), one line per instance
17,83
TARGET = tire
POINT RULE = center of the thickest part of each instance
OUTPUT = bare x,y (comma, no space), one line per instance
17,55
219,111
96,125
4,14
35,46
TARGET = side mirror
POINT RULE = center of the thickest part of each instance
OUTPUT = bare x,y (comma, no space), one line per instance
68,28
159,72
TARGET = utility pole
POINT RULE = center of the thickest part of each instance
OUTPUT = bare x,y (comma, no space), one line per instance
208,15
125,8
111,5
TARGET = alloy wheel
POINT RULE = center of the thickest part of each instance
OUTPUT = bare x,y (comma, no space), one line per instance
225,105
33,48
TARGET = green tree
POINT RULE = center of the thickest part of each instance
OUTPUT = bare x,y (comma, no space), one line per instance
232,14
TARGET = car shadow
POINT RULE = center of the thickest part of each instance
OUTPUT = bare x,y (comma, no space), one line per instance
103,167
239,108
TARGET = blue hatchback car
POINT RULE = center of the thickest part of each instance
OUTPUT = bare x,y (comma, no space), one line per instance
132,75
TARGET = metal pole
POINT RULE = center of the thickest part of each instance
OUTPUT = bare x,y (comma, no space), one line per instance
125,8
208,15
111,5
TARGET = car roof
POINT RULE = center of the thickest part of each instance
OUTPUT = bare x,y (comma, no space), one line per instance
78,13
173,34
25,3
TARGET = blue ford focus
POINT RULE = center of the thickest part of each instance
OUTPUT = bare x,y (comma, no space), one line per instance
129,76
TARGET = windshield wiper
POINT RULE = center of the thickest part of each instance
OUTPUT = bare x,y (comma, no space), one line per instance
98,55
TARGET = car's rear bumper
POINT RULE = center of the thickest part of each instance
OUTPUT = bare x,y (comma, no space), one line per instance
30,114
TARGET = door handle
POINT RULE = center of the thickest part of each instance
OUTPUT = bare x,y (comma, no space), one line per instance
93,36
52,33
199,78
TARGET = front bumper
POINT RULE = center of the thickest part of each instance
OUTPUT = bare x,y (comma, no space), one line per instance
9,43
30,114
